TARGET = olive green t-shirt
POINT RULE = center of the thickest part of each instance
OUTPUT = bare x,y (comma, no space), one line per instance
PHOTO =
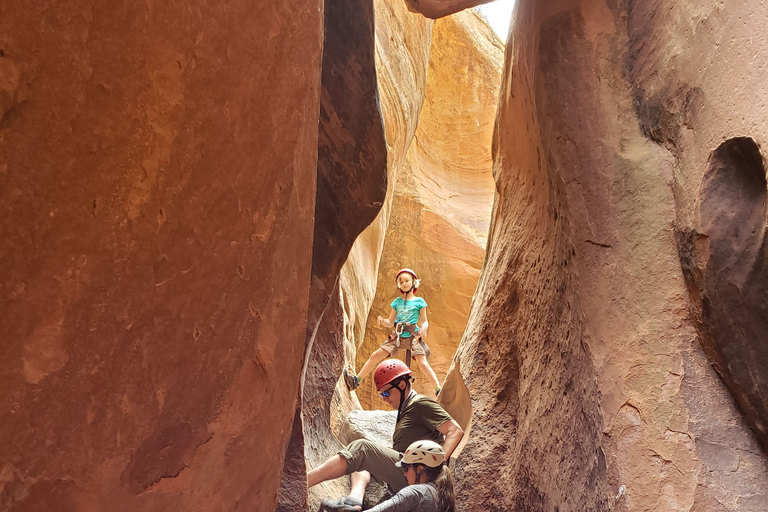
419,421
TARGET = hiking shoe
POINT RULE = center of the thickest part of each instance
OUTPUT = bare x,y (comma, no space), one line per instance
347,504
352,381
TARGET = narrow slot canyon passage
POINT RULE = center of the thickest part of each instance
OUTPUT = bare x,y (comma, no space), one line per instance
203,207
435,220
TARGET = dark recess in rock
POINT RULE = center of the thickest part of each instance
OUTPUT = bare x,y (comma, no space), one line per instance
728,276
352,153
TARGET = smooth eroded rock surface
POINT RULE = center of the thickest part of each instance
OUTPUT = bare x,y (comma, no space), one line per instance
443,196
401,53
586,352
157,174
726,267
351,184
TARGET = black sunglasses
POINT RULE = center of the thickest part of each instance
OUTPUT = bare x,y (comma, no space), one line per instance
405,467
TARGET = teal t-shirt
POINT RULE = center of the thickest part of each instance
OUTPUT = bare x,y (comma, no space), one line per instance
408,312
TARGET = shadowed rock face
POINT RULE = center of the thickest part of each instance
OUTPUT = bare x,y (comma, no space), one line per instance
157,175
351,184
583,362
727,271
355,170
352,154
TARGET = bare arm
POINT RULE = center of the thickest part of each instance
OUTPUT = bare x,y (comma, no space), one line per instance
404,501
387,322
453,434
423,324
439,8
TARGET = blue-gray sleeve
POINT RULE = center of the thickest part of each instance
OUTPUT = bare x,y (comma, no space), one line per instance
414,498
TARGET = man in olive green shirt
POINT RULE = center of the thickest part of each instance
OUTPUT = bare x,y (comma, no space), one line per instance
418,418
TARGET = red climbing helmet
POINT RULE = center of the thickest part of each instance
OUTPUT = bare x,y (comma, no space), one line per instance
388,370
416,280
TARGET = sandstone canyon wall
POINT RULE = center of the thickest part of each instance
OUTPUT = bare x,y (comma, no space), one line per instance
351,188
163,275
157,174
401,43
443,197
615,353
438,135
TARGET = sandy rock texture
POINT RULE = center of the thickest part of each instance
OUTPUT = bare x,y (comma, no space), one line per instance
157,174
614,353
443,197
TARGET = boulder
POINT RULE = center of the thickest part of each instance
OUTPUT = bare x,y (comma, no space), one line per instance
376,426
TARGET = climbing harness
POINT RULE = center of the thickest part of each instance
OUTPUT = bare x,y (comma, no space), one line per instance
397,335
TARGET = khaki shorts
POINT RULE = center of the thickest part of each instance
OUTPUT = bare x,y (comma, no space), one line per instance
377,460
411,342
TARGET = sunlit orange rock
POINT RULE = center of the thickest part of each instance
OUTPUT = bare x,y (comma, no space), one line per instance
443,195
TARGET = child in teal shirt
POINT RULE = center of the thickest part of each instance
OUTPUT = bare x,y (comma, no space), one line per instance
408,313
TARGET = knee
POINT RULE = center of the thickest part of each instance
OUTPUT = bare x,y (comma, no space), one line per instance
360,445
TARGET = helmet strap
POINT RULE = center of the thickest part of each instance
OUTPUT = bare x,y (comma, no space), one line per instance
402,396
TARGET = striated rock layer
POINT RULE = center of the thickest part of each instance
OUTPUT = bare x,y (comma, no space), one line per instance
614,354
157,174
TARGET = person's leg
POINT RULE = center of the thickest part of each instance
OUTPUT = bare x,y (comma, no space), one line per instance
428,371
364,455
378,356
360,481
334,467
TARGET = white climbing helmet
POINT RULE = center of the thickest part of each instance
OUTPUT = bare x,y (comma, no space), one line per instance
428,453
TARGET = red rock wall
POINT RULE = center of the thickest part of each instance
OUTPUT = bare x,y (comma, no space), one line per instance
586,351
157,170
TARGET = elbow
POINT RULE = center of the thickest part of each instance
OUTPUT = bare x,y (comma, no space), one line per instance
457,432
